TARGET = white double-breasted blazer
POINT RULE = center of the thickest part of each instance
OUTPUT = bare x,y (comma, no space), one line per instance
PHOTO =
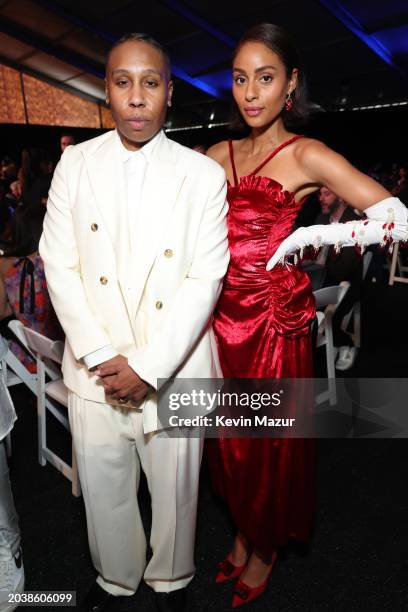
150,290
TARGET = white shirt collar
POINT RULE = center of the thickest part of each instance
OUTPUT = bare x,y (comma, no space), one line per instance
146,150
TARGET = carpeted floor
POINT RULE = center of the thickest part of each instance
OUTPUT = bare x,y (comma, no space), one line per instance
357,556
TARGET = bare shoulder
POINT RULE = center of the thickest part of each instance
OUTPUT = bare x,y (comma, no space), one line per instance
219,152
311,151
317,159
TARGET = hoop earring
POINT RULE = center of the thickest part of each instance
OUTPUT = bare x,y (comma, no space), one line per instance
288,102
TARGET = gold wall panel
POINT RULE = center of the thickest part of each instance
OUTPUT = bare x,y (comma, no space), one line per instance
49,105
106,118
12,101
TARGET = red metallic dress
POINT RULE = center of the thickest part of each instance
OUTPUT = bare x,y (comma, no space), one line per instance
262,325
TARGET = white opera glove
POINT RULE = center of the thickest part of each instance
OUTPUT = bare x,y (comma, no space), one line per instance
386,223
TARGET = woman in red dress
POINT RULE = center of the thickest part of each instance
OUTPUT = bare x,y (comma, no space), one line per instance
263,318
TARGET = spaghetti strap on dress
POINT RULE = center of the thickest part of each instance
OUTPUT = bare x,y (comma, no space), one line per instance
267,160
262,326
231,153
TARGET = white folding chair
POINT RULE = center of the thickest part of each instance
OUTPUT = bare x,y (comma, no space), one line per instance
6,398
51,396
355,311
328,298
17,372
14,371
396,260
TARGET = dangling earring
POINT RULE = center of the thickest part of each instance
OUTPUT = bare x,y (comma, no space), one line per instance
169,103
288,102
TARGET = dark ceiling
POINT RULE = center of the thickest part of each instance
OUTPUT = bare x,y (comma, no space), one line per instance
355,51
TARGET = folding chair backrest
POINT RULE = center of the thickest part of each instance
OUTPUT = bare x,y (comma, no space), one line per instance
17,328
50,396
42,345
330,295
368,255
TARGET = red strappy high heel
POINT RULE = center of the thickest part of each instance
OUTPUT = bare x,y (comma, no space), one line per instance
228,571
243,593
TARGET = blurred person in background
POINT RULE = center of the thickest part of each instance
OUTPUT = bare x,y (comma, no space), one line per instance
66,139
5,227
200,148
13,197
8,169
23,288
35,175
347,265
402,178
11,561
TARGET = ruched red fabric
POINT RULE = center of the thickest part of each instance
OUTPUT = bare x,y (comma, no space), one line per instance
262,325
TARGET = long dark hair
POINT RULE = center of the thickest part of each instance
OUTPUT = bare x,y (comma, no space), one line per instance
280,42
26,230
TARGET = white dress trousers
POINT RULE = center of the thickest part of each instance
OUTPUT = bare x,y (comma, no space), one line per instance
111,448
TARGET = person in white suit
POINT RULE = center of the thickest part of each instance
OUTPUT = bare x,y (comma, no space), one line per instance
135,249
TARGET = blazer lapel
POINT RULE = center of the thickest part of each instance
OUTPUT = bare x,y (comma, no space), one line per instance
107,178
161,187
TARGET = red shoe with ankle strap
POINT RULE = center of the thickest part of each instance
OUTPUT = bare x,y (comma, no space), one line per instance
243,593
228,571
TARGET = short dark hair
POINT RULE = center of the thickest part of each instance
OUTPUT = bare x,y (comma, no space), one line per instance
278,40
69,134
142,37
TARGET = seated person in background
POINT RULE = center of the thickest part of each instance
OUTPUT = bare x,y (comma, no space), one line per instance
402,185
200,148
5,227
402,180
8,170
35,176
66,139
23,289
309,211
14,196
334,209
11,564
347,265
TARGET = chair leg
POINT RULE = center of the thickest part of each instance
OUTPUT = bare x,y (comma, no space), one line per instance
8,445
41,413
331,371
393,264
3,381
400,266
357,325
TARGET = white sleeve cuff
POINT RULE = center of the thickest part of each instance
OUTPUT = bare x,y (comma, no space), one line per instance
99,356
136,363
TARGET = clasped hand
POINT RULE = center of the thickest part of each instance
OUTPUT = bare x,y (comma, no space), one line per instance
120,381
